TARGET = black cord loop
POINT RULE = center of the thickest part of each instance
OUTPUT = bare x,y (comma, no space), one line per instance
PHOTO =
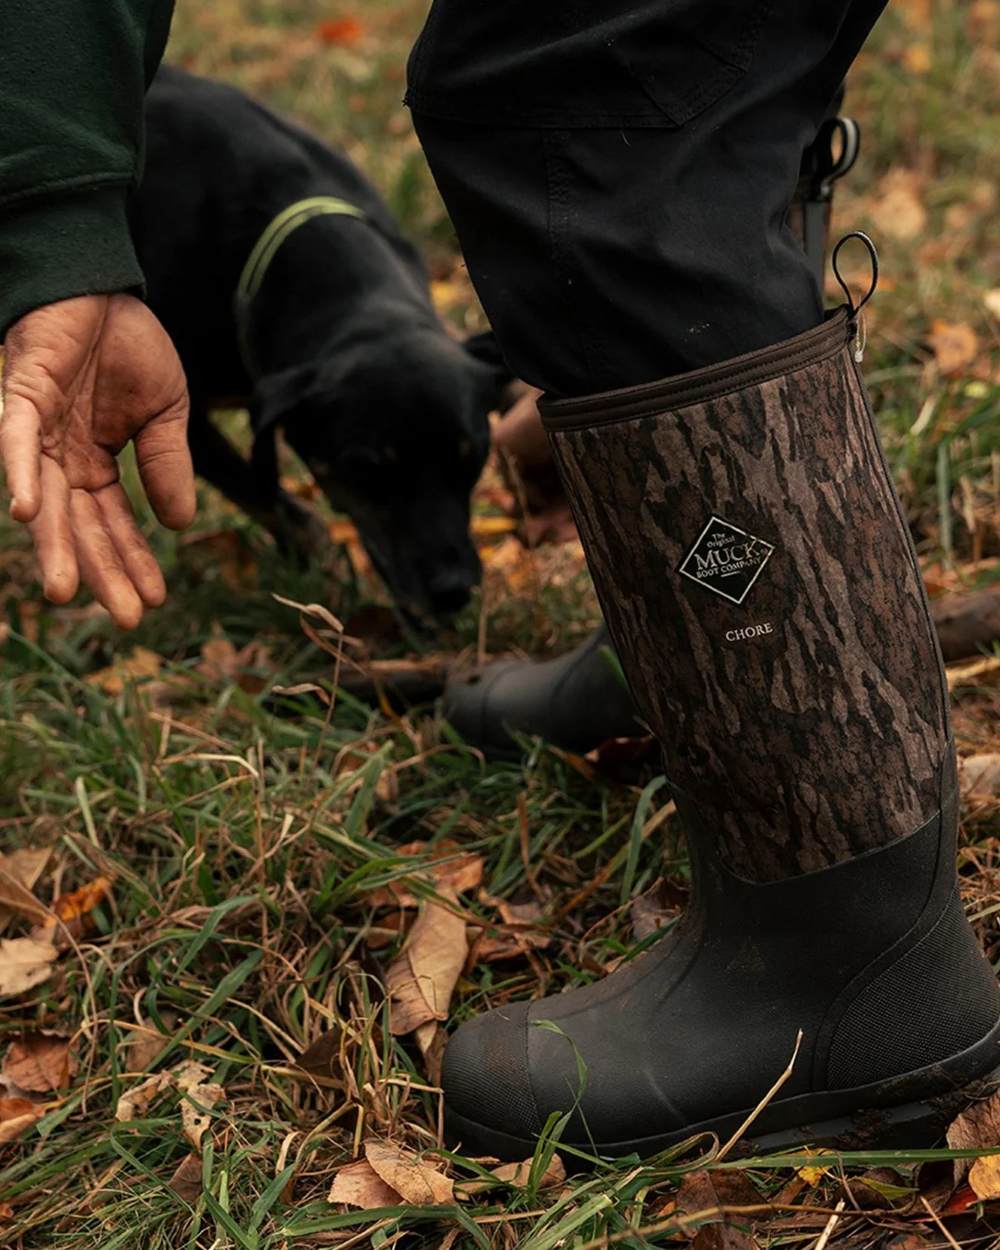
872,256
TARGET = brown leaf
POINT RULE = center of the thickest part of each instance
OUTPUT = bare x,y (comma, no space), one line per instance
955,345
702,1191
23,868
200,1096
520,933
344,31
449,868
422,977
16,899
136,1100
359,1185
411,1177
74,912
978,1127
960,1201
142,663
515,1174
319,1057
222,662
908,1241
518,1173
39,1063
24,963
899,209
147,1045
16,1116
186,1180
979,776
648,914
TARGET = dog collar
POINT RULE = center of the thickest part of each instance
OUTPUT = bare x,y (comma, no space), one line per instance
266,248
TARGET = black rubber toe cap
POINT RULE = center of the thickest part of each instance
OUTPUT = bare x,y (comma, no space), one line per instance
468,705
485,1077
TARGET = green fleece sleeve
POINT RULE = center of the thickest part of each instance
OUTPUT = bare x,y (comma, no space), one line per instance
73,74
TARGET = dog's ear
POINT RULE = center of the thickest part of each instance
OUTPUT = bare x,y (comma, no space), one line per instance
277,399
485,350
277,396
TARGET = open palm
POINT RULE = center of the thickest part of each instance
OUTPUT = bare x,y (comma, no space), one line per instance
82,377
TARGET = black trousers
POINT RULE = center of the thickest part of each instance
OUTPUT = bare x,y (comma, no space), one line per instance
619,173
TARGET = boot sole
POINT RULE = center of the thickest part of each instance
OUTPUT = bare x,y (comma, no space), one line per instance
878,1116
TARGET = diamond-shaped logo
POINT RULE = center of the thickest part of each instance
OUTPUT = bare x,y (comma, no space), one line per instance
726,560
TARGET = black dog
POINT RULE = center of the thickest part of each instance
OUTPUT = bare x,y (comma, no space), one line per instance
329,333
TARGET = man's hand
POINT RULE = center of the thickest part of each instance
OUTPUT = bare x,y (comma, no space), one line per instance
81,378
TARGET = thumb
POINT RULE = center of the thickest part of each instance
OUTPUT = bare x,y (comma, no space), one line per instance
164,460
20,451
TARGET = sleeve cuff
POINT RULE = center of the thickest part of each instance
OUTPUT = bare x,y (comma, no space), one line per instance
76,244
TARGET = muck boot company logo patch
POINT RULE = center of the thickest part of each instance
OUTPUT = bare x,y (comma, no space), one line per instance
726,560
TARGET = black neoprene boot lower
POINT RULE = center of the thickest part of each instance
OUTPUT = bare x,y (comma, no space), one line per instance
760,585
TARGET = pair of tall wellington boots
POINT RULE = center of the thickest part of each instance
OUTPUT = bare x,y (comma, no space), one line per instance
761,589
579,700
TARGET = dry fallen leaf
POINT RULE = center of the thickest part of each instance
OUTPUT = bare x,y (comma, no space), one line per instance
142,663
146,1044
522,931
23,868
71,913
17,900
24,963
136,1100
979,776
39,1063
701,1190
898,208
449,868
186,1181
422,977
414,1179
221,661
359,1185
992,301
516,1174
342,31
978,1127
81,902
955,345
200,1096
16,1116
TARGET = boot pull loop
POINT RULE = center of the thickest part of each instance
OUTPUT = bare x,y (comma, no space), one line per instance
856,315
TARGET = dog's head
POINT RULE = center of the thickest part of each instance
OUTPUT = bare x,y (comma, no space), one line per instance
396,435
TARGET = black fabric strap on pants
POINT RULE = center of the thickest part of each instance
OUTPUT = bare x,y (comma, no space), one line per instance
622,208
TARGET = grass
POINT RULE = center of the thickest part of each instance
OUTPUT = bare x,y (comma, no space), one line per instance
252,835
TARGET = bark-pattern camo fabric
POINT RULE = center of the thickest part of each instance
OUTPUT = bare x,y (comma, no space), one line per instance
821,733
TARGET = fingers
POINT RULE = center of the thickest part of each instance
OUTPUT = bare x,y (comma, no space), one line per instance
20,447
137,560
100,564
53,536
164,461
